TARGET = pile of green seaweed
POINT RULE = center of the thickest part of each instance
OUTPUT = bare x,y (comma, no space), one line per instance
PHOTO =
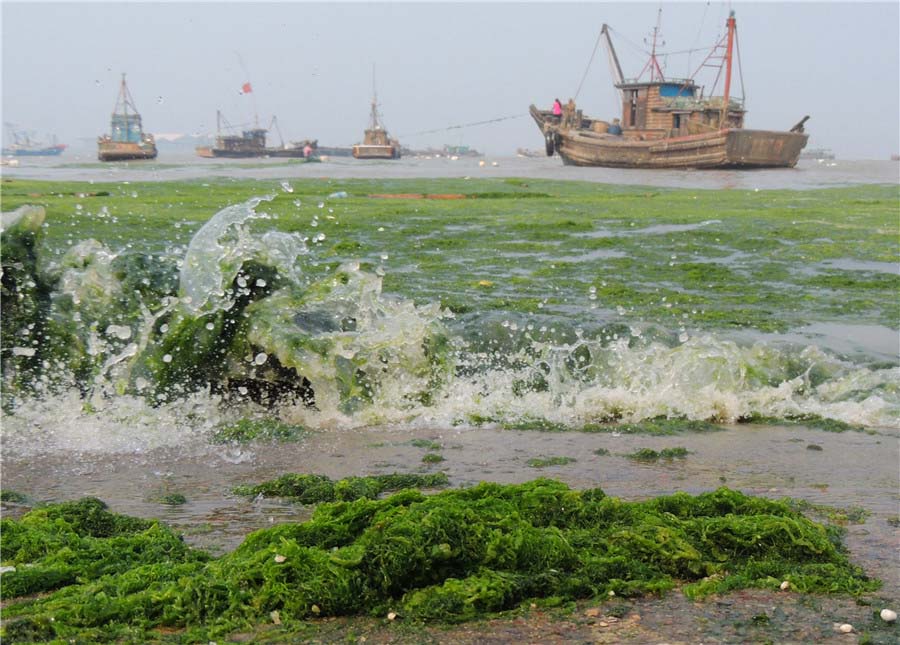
451,556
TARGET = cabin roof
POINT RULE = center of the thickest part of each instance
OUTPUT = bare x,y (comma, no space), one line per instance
634,84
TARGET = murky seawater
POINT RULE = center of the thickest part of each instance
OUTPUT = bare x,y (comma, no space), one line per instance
180,165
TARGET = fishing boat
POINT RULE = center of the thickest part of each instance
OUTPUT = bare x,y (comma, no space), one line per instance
376,144
669,123
127,139
252,143
22,145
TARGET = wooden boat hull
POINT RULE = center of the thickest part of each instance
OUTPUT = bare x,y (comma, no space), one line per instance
123,151
727,148
220,153
374,151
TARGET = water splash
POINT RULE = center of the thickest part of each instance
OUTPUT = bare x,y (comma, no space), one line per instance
126,352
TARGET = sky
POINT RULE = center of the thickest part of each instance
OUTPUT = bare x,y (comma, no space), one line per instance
437,65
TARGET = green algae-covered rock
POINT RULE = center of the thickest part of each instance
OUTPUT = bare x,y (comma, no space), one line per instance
24,296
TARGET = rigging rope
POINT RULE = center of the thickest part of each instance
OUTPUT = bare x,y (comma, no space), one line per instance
463,125
586,69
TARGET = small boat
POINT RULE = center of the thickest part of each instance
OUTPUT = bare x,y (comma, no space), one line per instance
669,123
817,154
376,144
127,139
252,143
22,145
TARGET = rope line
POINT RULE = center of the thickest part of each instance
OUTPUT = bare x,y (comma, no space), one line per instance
464,125
587,69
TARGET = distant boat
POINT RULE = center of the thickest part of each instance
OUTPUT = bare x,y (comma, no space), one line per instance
668,123
818,154
127,139
24,146
252,143
460,151
376,144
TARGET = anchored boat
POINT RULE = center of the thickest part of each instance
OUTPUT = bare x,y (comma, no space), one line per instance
127,139
669,123
376,144
252,143
22,145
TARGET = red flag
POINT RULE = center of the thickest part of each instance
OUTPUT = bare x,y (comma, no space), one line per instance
246,89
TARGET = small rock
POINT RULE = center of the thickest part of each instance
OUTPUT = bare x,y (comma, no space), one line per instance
392,615
592,612
603,623
846,628
275,616
280,558
888,615
315,609
785,585
611,593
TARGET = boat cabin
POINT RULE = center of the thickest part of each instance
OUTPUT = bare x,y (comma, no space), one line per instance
126,128
674,107
248,141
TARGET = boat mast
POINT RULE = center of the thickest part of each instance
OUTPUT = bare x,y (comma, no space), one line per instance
728,49
374,123
618,77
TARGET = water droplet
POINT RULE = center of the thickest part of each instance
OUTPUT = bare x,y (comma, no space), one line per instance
260,282
261,358
160,100
167,358
210,326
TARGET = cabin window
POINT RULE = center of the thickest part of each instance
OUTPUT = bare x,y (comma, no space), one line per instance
676,121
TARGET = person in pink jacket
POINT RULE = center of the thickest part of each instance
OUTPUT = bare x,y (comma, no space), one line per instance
557,110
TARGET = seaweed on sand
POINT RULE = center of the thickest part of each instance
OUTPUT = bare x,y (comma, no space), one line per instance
315,489
452,556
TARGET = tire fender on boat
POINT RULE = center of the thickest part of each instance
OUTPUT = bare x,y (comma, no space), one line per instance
549,143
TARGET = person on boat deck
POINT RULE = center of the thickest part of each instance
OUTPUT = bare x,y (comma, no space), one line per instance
615,128
307,151
557,110
569,114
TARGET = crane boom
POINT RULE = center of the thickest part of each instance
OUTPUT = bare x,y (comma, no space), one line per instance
613,59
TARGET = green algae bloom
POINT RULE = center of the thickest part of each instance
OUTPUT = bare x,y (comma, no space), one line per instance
648,454
451,556
314,489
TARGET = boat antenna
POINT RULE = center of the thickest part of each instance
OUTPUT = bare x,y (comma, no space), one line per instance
653,64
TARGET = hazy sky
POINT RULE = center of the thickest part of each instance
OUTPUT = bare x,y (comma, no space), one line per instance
437,65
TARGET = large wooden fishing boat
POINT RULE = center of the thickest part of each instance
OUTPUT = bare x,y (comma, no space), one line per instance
127,139
669,123
377,144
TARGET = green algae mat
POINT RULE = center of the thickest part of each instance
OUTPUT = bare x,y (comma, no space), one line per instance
452,556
